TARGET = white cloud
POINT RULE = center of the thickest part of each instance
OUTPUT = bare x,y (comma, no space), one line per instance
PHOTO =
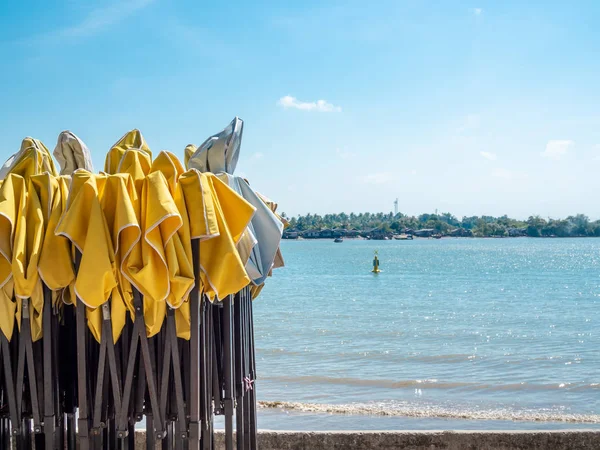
413,172
488,155
377,178
477,11
556,149
320,105
258,155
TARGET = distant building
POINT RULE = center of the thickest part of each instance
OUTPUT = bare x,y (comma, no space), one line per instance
516,232
291,234
311,234
460,232
425,232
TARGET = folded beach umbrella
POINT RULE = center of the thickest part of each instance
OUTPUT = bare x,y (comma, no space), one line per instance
219,217
124,230
265,227
178,249
33,158
189,151
72,154
146,265
278,262
220,152
56,260
19,249
130,141
83,223
258,246
131,155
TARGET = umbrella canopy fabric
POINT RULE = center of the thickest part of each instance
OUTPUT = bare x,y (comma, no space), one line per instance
21,223
258,246
83,223
72,154
219,217
220,152
178,249
124,230
33,158
55,264
265,229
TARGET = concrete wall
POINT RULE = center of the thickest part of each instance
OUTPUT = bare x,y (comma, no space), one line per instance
420,440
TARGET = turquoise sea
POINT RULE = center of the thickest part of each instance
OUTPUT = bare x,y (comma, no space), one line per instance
454,333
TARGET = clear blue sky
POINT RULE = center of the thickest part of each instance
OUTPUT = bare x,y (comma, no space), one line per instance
472,107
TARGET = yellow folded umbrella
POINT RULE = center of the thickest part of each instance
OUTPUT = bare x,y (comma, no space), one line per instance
56,261
190,149
178,249
12,193
130,155
146,265
83,223
218,216
33,158
124,230
22,235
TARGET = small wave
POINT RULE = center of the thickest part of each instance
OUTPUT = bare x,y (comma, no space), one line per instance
435,384
432,412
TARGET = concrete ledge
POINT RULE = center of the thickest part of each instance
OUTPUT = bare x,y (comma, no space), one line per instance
420,440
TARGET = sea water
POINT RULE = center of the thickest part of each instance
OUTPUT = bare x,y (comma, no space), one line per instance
454,333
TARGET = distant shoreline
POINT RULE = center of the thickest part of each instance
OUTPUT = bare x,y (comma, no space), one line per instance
417,238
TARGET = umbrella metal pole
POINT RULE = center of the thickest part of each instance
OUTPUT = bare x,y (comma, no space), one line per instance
227,368
204,382
25,443
9,385
25,357
83,425
194,393
139,336
107,365
239,377
49,394
247,376
59,437
253,413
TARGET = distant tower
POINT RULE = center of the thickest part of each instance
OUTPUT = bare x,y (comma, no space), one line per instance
396,207
436,211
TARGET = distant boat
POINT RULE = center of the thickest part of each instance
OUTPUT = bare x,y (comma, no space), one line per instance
339,239
404,237
437,236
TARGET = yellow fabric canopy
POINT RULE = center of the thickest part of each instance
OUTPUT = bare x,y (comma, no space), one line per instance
178,249
83,223
132,224
218,216
22,234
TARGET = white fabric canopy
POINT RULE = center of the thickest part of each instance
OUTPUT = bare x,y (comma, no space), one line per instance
72,154
220,152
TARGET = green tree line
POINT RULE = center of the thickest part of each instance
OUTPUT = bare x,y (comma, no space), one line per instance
446,223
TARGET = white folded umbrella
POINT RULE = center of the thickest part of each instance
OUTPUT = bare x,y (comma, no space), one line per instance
219,154
72,154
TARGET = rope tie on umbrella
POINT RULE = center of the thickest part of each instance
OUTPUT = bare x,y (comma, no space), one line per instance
248,382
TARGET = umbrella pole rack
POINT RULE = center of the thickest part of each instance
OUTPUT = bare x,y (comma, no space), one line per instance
66,391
